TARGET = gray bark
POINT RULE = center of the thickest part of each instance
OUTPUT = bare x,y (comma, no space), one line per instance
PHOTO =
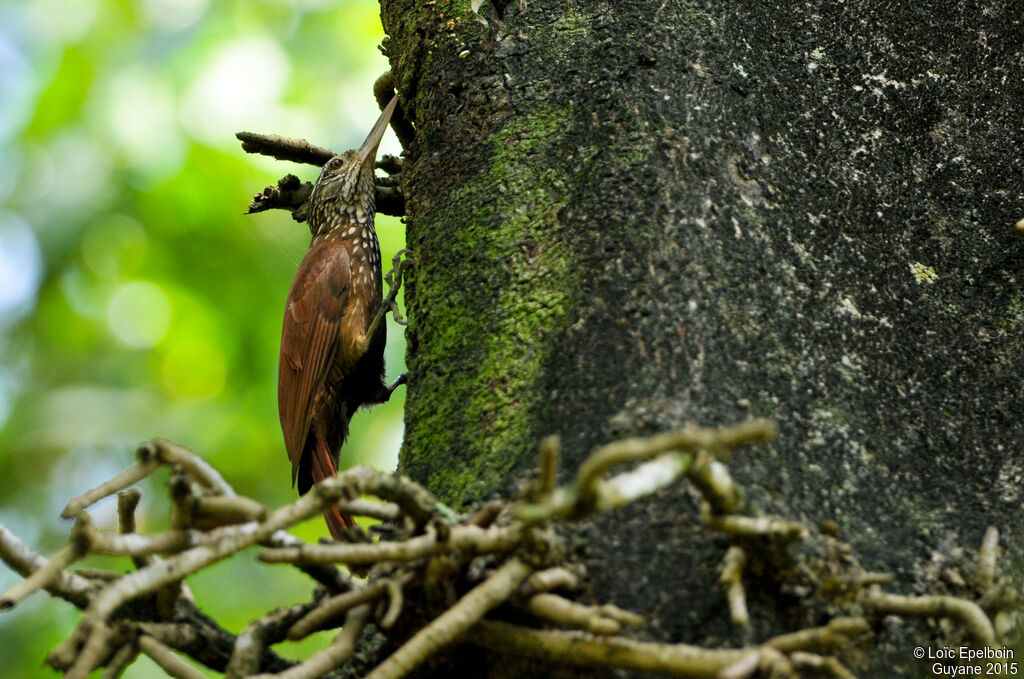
628,216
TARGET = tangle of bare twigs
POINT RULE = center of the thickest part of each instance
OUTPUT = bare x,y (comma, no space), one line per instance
505,553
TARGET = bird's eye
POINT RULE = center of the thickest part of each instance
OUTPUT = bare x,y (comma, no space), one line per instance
334,163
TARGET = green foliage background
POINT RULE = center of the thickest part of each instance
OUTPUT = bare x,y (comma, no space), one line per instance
136,298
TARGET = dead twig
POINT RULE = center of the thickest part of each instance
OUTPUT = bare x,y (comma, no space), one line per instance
45,575
128,477
120,660
579,649
731,579
462,538
988,555
771,527
331,608
258,635
168,660
454,622
283,148
967,612
383,90
192,464
332,656
604,620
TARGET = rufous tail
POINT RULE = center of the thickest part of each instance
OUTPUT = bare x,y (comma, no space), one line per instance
323,467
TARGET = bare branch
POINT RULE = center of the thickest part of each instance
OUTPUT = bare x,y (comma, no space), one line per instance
689,440
192,464
197,636
138,546
383,89
390,201
836,633
566,613
128,477
774,528
988,554
127,501
714,482
746,667
732,580
549,451
44,576
92,653
385,511
774,664
335,654
331,608
576,648
454,622
415,501
488,514
283,148
395,601
464,538
589,493
821,664
292,195
251,643
288,194
967,612
166,659
120,660
328,575
225,510
549,579
174,569
644,479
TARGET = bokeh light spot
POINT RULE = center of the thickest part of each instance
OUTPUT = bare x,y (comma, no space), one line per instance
21,266
65,21
78,170
114,246
139,314
239,89
194,370
174,15
17,86
141,121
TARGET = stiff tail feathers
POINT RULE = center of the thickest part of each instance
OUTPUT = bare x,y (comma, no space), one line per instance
324,467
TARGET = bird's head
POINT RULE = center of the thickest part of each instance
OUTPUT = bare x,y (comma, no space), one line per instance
347,178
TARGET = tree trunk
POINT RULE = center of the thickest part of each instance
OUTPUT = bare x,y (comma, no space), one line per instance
628,216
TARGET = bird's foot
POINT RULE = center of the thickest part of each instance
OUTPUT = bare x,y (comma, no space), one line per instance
384,391
388,390
390,303
400,262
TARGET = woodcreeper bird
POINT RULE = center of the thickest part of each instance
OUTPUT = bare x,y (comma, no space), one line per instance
332,344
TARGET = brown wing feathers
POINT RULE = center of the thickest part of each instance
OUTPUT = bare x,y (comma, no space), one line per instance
309,341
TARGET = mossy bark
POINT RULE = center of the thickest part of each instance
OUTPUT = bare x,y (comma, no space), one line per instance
627,216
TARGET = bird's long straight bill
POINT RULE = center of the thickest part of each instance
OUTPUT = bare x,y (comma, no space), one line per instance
368,151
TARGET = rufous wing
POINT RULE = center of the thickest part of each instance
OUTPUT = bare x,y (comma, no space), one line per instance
310,339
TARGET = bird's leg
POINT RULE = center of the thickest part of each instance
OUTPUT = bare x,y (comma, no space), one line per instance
399,263
394,281
384,395
390,303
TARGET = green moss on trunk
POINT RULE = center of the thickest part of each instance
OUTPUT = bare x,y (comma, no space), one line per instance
505,290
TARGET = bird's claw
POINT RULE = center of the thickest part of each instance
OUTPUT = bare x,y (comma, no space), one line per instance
400,262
